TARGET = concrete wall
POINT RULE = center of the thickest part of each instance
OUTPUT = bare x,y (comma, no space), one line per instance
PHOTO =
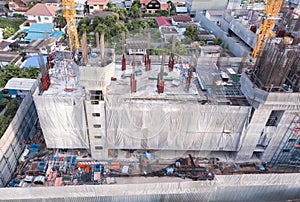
264,105
236,49
97,136
11,147
243,32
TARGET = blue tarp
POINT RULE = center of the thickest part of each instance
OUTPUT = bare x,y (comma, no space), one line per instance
33,61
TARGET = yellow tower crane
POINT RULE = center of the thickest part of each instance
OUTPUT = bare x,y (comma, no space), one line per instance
266,26
70,14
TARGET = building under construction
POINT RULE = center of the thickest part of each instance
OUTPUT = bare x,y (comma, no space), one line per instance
172,107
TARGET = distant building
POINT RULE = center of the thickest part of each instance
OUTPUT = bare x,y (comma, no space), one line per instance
181,10
19,5
180,18
162,21
150,6
96,5
4,45
203,5
9,58
41,13
19,86
136,46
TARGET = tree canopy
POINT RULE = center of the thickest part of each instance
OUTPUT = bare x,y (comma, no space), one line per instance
191,32
10,71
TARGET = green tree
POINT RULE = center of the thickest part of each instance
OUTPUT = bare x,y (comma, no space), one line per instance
120,11
151,23
97,20
191,32
4,123
135,10
84,25
217,41
110,20
110,4
12,108
60,21
10,71
7,32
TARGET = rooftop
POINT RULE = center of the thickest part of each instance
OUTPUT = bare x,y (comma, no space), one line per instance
42,10
182,18
181,9
163,21
97,2
20,84
215,12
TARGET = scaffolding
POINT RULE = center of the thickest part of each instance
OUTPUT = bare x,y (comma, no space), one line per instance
289,154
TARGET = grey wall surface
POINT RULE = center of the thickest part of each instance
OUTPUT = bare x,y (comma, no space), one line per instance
11,147
229,23
236,49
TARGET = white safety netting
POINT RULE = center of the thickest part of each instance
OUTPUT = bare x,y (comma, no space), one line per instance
258,187
168,125
63,121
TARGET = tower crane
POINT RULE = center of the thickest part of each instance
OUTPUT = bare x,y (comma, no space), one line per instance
70,14
266,26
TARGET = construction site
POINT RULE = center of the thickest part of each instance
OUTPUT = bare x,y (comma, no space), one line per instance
171,126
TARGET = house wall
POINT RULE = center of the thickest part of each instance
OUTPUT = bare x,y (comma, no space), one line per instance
41,19
94,8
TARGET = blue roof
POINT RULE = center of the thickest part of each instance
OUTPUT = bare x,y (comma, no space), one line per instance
40,35
34,36
57,34
33,61
35,27
25,30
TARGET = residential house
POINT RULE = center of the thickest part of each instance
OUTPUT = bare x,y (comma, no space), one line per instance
52,2
164,6
80,7
167,32
19,5
4,45
42,31
96,5
177,19
181,10
41,13
150,6
162,21
9,58
43,46
136,46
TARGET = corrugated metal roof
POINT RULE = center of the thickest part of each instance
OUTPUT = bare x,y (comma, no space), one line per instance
36,27
20,84
181,9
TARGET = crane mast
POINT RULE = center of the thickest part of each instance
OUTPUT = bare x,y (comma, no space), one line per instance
70,14
266,26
